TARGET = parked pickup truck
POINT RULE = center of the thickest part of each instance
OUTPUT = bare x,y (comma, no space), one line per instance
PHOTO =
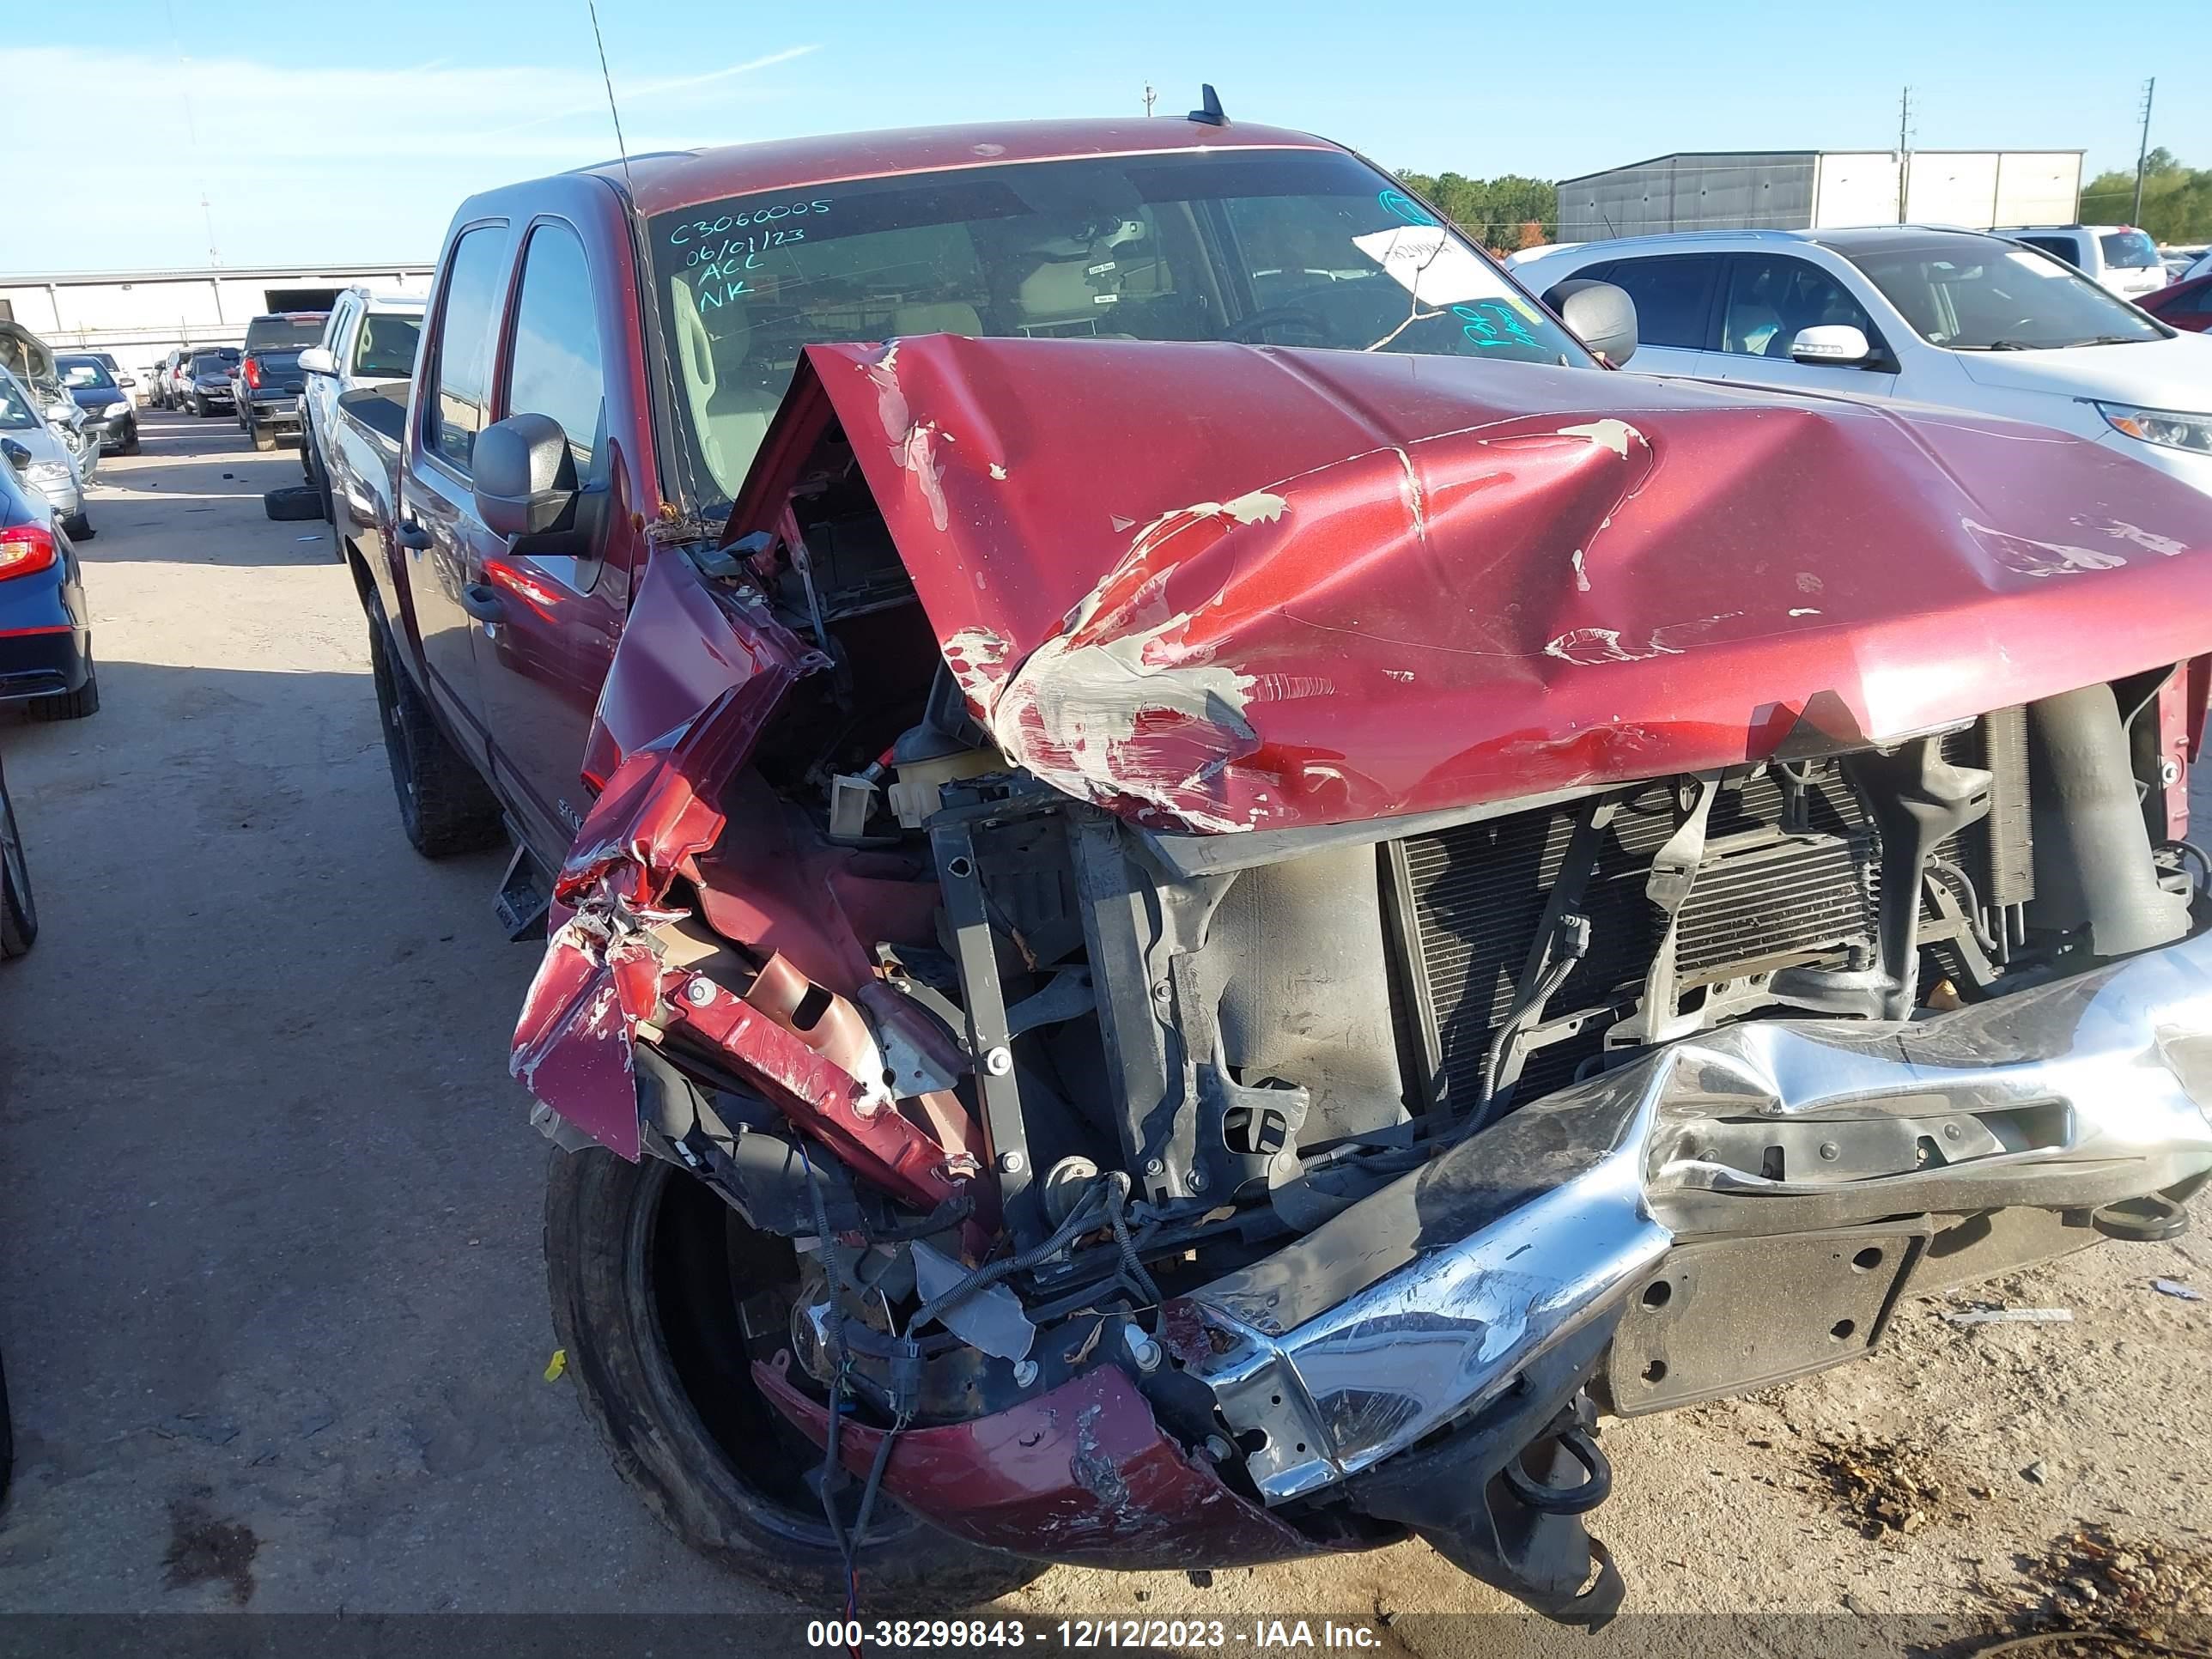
1192,916
269,379
369,341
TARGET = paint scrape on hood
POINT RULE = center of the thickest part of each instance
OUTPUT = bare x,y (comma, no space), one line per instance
1220,587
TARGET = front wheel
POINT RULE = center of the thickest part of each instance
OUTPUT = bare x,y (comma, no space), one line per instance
130,444
200,409
663,1298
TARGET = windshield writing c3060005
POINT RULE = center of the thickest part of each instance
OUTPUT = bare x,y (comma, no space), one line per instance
692,231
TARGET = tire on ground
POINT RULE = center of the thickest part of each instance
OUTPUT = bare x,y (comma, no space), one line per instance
19,917
445,806
604,1220
292,503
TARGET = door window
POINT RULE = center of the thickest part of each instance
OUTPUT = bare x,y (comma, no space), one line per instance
2063,246
1771,297
1673,295
555,366
466,311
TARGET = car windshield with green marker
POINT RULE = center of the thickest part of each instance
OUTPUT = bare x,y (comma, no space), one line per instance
1268,247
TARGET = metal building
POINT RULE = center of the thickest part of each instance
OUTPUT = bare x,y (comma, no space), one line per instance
1812,189
141,316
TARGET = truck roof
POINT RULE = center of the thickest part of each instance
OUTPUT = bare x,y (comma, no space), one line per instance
674,178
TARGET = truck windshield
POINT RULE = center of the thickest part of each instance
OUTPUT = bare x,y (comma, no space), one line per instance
1295,248
1983,296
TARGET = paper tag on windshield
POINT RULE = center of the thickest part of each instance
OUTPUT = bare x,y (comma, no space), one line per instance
1436,268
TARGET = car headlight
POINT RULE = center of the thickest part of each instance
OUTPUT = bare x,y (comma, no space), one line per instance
121,406
2172,427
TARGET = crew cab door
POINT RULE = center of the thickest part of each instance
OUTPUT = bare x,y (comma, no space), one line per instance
441,541
561,603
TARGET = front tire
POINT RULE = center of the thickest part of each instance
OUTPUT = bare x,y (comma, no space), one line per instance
130,444
445,806
655,1282
200,407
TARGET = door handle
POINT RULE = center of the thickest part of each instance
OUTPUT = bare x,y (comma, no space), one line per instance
413,537
484,603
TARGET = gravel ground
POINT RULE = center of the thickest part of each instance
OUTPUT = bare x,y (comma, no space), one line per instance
274,1314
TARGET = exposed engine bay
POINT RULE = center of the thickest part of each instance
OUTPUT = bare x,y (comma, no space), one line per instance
1282,1171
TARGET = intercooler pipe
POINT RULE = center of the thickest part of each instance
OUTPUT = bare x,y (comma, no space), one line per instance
2092,855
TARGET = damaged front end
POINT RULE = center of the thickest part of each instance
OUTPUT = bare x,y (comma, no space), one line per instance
1267,1015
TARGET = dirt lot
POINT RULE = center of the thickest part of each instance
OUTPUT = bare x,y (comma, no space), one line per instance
273,1312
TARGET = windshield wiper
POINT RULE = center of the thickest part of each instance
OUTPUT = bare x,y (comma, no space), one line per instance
2010,345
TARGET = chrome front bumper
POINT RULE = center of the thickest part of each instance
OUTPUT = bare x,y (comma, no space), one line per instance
1425,1300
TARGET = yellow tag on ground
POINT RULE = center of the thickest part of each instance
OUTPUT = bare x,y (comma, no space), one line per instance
556,1364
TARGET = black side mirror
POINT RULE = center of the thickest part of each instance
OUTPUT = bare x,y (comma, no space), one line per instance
525,478
18,457
1600,315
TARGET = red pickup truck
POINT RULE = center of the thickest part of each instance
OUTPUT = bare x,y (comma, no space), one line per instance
1201,891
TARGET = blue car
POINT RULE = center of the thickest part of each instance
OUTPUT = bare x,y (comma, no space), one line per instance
46,645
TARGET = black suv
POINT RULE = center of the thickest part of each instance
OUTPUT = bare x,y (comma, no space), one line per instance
269,380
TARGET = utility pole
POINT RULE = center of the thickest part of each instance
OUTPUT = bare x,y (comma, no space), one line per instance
2143,155
1904,153
1150,97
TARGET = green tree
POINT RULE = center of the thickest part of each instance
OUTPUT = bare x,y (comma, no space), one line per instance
2177,201
1495,211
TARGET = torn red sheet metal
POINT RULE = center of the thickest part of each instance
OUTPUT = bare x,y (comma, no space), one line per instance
1218,587
1080,1474
696,679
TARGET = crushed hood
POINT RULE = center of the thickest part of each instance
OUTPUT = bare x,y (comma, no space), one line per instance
1218,587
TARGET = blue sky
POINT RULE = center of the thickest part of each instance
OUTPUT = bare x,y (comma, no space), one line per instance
350,132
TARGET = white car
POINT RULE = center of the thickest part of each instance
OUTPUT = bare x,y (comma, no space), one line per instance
2116,257
1948,316
2201,266
53,468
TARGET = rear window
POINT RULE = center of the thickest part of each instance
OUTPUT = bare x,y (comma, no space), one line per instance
2127,250
302,328
386,346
